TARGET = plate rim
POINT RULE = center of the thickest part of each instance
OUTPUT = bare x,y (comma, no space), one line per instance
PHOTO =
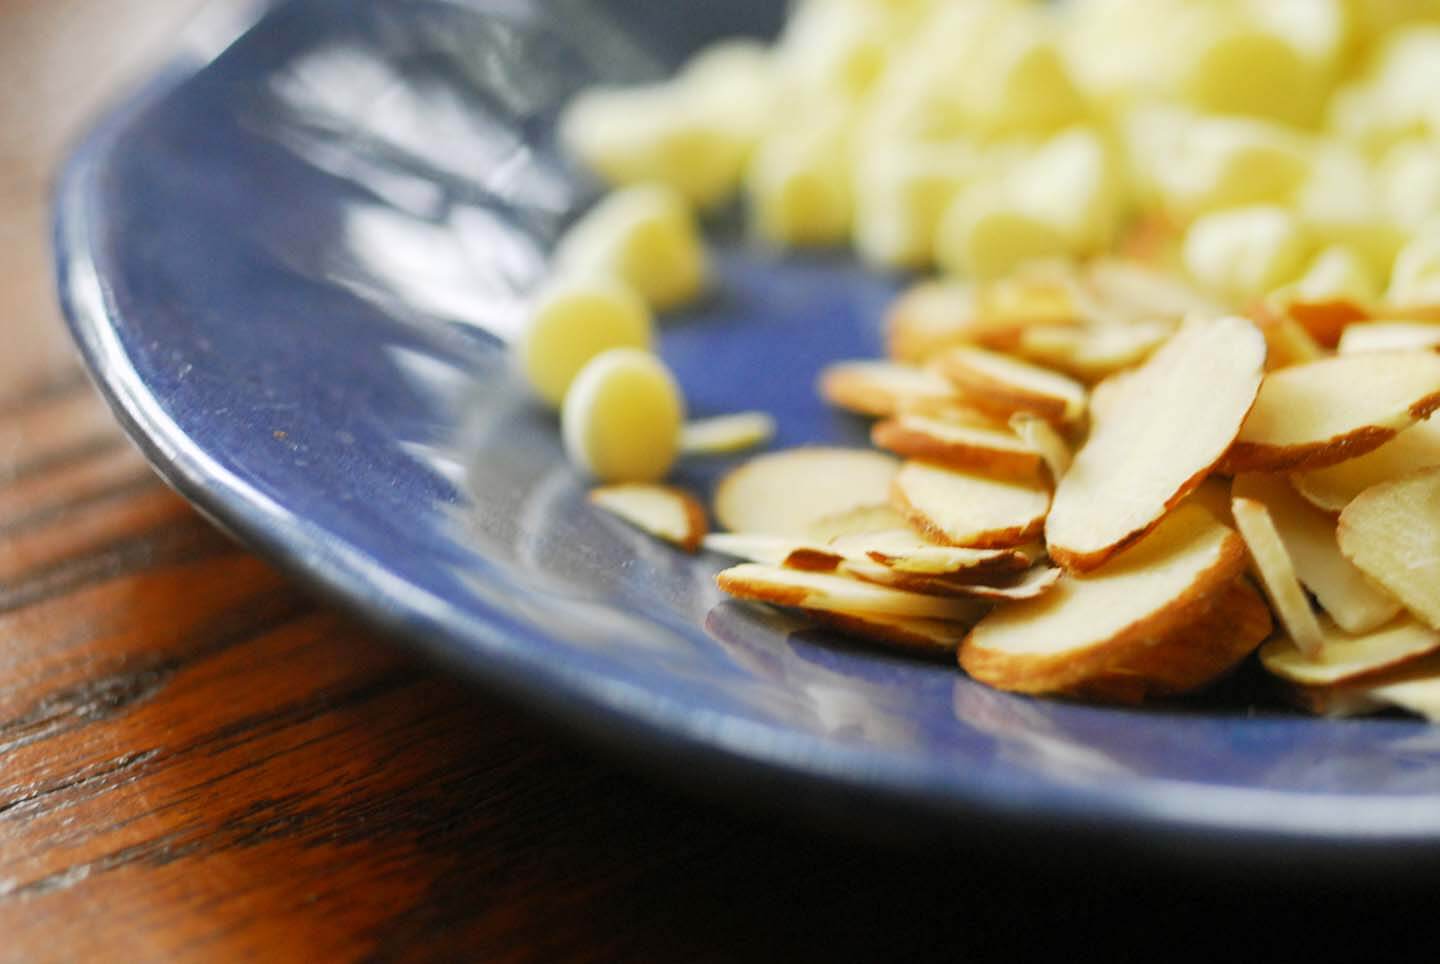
1155,816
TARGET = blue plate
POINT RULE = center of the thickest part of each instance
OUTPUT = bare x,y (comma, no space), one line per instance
287,264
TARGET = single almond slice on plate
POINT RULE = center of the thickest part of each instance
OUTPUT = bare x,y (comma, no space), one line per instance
664,511
1277,574
884,388
1342,590
1345,658
784,493
840,594
724,434
1389,336
1045,439
1325,412
1392,532
1333,488
1003,386
933,636
965,509
1170,615
1171,421
958,445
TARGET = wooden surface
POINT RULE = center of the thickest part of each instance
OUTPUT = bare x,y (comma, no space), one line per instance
197,762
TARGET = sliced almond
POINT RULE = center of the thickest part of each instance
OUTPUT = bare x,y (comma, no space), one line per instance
1043,438
1413,685
1389,336
862,520
1277,574
950,560
916,635
785,493
1392,532
958,445
1342,590
725,434
1003,386
664,511
1345,658
965,509
1332,489
935,315
1173,419
838,594
1322,413
1166,617
770,550
1031,585
1214,495
1092,352
1125,291
883,389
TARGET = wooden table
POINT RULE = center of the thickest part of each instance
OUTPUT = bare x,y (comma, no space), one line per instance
198,762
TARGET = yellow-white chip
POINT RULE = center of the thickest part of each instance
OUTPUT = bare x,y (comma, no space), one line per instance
622,416
571,322
645,235
984,234
1244,253
724,434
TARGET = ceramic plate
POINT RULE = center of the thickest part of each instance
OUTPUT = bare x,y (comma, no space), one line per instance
291,261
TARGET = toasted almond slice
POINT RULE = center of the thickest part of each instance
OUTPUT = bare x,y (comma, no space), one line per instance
964,509
1413,685
1345,658
1322,413
1342,590
1043,438
1167,616
785,493
916,635
1277,574
838,594
1392,532
664,511
862,520
884,388
724,434
935,315
963,446
901,539
1003,386
1031,585
1093,352
1173,419
1122,292
1332,489
952,560
1389,336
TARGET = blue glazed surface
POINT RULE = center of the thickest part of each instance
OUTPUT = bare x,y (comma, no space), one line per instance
287,266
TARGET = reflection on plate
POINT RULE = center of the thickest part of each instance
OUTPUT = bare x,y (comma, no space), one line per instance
293,268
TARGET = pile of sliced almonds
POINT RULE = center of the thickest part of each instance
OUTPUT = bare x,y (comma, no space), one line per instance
1110,541
1166,404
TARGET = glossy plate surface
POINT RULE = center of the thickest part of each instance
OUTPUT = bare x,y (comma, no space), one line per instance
290,266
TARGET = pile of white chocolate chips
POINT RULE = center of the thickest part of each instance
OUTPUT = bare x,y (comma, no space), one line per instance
1166,399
